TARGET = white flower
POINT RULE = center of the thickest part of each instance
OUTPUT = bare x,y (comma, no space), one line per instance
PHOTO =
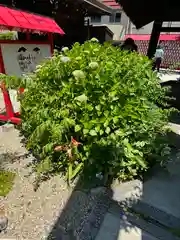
64,49
99,175
78,74
82,98
94,40
93,65
65,59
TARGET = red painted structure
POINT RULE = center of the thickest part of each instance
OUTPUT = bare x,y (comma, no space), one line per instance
170,44
16,20
112,3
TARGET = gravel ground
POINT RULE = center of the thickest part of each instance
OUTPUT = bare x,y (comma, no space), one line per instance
31,214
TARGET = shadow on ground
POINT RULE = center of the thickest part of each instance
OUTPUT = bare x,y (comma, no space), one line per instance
8,158
138,210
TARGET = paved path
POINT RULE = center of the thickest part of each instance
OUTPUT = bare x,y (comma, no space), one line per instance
166,77
116,228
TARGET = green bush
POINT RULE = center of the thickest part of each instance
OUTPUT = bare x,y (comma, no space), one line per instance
6,182
103,98
7,36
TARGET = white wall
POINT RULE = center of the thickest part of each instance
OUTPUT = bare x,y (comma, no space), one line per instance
115,27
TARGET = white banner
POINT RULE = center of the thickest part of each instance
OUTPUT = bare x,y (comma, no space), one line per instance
23,58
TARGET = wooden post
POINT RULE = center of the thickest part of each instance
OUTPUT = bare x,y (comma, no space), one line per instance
10,116
28,36
88,28
7,101
50,37
154,38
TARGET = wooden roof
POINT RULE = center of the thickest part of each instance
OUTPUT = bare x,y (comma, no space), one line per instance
142,12
96,6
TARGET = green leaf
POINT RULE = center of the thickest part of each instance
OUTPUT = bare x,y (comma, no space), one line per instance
70,172
77,128
141,161
108,130
93,133
115,120
82,98
106,124
98,128
106,113
48,148
77,170
101,132
98,107
85,131
89,107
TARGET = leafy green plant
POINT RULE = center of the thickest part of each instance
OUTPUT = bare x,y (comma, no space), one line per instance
7,36
6,182
14,82
94,108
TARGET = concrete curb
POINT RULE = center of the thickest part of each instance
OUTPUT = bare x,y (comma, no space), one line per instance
153,229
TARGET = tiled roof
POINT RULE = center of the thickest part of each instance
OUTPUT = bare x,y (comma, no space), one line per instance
17,20
112,3
98,5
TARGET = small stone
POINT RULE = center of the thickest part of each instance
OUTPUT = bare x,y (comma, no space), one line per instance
23,216
97,190
3,223
29,203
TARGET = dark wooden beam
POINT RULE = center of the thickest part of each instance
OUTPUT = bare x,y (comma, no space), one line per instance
157,26
170,29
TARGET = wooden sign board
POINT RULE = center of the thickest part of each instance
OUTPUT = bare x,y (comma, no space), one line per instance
19,59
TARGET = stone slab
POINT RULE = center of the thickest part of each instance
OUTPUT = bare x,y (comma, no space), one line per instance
158,197
114,228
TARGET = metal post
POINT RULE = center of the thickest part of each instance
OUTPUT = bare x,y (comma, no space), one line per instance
154,38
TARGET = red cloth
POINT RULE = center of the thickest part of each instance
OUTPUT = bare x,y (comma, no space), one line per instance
16,20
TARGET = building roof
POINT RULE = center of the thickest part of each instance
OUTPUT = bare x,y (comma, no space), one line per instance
142,12
146,37
112,3
21,21
96,7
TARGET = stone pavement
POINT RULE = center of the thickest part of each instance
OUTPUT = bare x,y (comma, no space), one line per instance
116,228
166,77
